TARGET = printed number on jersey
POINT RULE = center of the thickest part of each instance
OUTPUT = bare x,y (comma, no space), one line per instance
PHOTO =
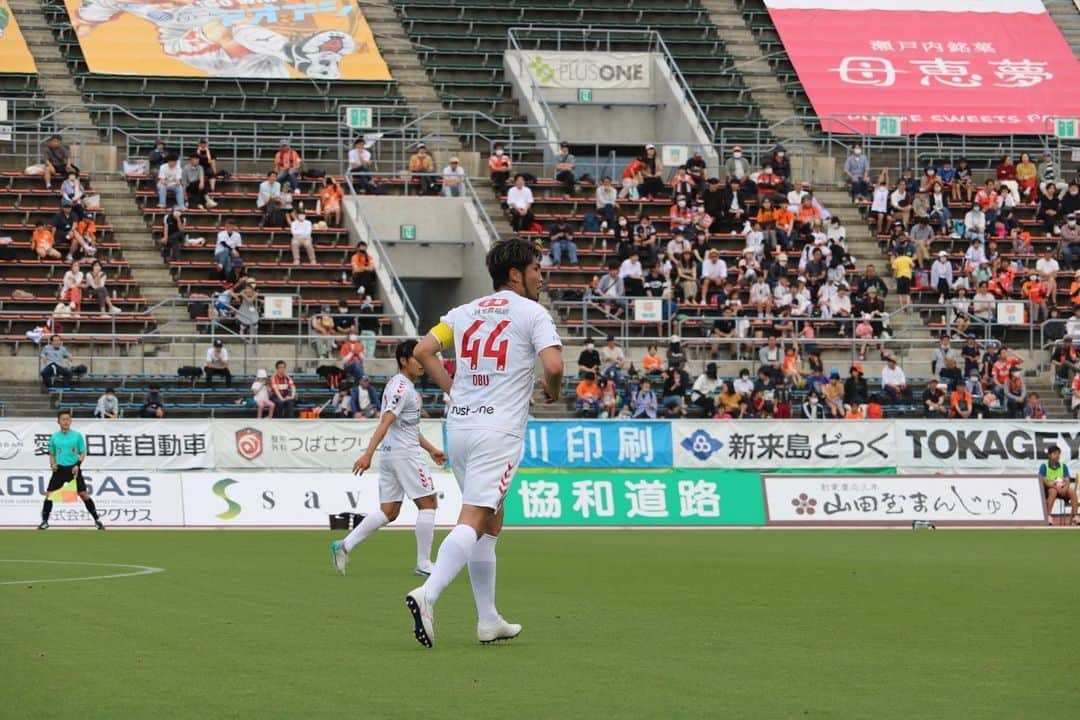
485,347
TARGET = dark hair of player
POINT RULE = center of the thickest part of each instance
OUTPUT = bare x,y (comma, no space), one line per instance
62,413
507,255
404,351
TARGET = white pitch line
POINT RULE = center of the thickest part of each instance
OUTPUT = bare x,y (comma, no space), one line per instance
139,570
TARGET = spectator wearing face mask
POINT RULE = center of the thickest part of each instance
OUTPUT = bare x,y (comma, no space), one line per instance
301,239
857,169
499,168
1070,242
737,167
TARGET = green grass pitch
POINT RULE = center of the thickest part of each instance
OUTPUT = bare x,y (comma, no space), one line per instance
742,624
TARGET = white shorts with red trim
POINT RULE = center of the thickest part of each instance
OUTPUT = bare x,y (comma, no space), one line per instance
484,464
402,476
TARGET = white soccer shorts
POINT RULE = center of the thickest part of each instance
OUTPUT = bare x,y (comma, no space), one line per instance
402,476
484,463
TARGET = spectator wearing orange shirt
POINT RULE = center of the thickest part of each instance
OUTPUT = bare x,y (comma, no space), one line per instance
632,177
588,394
42,241
961,403
499,167
363,269
330,199
282,391
1036,292
652,363
352,357
287,166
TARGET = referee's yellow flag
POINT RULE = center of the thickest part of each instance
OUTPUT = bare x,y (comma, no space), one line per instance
68,493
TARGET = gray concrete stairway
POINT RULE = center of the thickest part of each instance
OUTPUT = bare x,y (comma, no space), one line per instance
1067,17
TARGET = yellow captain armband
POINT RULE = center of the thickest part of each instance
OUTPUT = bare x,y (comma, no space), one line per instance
444,334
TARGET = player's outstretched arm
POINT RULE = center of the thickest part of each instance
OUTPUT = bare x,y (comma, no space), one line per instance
426,352
364,461
552,362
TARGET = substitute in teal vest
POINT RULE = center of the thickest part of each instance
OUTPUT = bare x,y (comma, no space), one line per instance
1057,483
67,450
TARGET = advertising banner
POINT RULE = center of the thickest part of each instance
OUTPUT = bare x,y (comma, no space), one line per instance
621,497
112,444
258,39
131,498
593,70
300,444
794,444
15,56
989,67
1012,444
597,444
900,499
297,500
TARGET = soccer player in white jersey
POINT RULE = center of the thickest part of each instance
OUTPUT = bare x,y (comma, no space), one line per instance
496,340
400,473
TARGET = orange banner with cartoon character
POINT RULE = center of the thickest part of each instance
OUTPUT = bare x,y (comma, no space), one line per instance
15,57
260,39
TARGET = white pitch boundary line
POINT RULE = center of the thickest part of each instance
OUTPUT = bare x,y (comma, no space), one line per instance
139,570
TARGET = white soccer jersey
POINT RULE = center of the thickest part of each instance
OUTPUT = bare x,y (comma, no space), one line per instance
400,397
496,340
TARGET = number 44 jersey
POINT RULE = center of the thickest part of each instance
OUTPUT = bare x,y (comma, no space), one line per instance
496,340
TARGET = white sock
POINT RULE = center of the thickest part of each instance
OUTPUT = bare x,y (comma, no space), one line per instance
482,578
368,525
425,533
453,554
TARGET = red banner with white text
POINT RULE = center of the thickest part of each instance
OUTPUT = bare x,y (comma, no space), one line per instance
975,67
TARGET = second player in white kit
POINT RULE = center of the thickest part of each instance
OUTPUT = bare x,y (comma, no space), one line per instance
401,475
496,340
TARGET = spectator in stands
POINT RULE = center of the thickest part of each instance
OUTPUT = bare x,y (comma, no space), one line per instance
961,401
714,273
632,275
732,204
879,206
951,374
609,400
935,404
287,166
363,269
1026,177
610,289
157,157
676,387
942,352
900,204
71,286
561,237
1072,327
589,359
588,396
1035,292
705,390
301,239
903,267
612,360
321,325
453,179
857,169
1049,208
217,363
55,361
737,167
282,391
107,407
564,170
96,285
170,180
193,178
499,168
365,400
353,357
963,187
652,364
682,183
768,183
1074,402
519,199
260,394
606,202
423,166
1033,407
633,175
43,243
894,382
247,315
270,201
686,269
643,401
941,276
64,222
173,234
71,194
1015,390
86,229
56,157
210,170
1065,359
834,395
153,404
227,249
1069,248
330,197
652,185
781,165
361,172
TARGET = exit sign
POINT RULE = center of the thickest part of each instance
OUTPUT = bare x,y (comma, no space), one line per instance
408,232
584,95
887,126
1067,128
358,117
